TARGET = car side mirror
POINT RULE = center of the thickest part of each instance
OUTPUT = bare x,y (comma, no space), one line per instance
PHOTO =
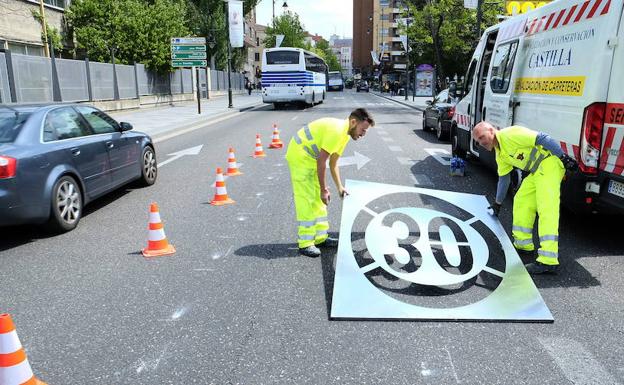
429,102
125,126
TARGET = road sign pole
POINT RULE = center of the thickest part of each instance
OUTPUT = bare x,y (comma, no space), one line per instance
198,92
229,57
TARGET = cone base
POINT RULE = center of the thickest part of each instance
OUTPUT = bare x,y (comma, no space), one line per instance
221,203
235,173
259,155
169,250
276,145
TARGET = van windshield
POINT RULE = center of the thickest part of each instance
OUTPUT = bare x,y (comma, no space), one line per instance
10,125
335,76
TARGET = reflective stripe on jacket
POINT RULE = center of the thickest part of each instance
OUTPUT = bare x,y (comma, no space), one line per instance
327,134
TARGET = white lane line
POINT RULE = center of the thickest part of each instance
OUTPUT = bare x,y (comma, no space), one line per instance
395,148
406,161
295,117
440,155
576,363
387,139
422,180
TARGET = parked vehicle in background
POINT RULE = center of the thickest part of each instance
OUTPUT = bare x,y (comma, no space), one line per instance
349,83
439,114
55,159
362,86
557,69
335,82
292,75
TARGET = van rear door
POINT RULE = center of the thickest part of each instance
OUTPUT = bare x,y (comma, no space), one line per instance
612,155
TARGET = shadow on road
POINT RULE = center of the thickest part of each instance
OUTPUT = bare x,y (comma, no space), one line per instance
269,250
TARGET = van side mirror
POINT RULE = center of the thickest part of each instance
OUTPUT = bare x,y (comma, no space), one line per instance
429,102
125,126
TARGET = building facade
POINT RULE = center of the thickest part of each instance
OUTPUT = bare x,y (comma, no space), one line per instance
343,49
388,25
260,36
21,33
363,33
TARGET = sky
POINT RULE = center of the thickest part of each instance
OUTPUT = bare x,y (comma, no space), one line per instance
324,17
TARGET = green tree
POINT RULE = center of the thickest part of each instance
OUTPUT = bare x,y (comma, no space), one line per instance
138,30
443,33
323,49
208,18
290,26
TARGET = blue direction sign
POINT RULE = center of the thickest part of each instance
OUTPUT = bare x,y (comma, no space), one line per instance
188,55
188,52
188,63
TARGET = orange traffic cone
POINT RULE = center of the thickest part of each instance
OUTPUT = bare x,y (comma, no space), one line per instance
221,197
276,142
14,366
259,153
232,169
157,244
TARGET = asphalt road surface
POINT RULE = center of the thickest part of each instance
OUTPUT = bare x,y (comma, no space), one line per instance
237,305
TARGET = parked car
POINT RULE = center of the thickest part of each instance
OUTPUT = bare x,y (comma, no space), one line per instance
439,114
349,83
362,86
56,158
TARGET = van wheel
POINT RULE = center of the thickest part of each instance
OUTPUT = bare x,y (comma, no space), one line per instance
456,150
440,134
66,209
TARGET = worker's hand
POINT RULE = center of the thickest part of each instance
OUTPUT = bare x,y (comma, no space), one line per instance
325,196
343,193
495,208
569,163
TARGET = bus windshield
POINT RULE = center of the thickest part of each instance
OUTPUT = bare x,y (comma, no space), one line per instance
282,57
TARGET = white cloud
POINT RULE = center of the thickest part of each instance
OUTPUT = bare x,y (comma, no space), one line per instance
324,17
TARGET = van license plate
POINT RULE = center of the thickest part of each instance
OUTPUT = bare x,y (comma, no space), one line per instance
616,188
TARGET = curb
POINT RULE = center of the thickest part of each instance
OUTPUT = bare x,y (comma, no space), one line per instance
203,122
419,108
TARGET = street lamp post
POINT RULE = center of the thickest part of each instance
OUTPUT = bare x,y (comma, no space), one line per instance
229,54
283,6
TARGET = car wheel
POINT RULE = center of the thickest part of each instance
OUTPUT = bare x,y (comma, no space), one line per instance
277,106
424,123
456,150
66,205
149,168
440,134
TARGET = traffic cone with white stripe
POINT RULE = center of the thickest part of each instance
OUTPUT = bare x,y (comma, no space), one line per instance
232,169
259,153
14,366
221,197
157,244
276,141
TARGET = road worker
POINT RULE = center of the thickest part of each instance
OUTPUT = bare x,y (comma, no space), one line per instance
308,151
541,157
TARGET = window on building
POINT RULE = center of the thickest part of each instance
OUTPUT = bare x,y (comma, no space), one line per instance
385,17
56,3
384,3
257,56
258,41
25,49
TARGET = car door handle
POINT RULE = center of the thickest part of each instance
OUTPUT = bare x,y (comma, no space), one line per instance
75,151
110,144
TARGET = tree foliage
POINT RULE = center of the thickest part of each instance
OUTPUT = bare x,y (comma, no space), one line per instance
290,26
208,18
443,33
138,30
323,49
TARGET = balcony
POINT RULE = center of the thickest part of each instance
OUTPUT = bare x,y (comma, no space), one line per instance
397,53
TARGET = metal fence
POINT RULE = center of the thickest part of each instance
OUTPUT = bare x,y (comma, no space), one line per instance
32,79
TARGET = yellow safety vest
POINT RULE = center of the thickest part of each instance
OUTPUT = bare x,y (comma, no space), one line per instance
327,134
516,148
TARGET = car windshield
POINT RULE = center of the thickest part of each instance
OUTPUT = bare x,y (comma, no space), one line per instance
10,125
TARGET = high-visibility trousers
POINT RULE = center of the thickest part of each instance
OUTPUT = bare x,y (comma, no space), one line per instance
312,223
539,194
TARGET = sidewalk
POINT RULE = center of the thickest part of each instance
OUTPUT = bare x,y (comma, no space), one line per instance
159,121
419,102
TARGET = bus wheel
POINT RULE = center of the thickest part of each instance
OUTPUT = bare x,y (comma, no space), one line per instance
277,105
313,98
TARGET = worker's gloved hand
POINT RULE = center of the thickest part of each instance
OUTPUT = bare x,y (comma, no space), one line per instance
495,208
325,196
569,163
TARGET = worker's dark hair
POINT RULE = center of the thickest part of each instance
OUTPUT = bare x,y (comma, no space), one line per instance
360,114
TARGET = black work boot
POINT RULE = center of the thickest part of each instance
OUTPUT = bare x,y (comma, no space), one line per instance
540,268
310,251
329,242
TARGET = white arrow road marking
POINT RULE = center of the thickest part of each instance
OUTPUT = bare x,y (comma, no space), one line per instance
178,154
357,159
435,152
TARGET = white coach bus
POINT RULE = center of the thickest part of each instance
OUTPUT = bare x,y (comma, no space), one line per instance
292,75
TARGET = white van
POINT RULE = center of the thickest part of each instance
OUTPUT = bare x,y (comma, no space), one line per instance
558,69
